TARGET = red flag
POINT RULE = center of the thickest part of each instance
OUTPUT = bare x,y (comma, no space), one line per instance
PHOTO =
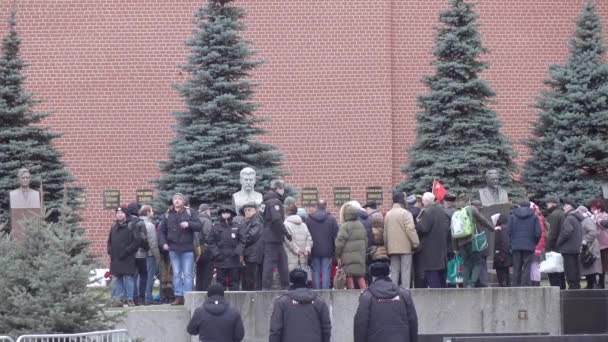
439,191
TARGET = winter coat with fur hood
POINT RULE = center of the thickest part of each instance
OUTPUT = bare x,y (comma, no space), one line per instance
351,244
300,244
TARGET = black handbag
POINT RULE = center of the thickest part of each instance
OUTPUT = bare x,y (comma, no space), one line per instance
587,257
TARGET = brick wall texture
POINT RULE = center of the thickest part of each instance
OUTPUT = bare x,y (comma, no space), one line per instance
339,82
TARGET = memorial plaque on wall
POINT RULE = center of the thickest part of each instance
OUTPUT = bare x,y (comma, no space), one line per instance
310,197
144,196
111,199
341,195
374,193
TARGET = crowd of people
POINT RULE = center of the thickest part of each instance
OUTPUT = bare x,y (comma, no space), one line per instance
250,249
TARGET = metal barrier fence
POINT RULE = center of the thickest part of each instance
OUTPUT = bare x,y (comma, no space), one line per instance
6,339
98,336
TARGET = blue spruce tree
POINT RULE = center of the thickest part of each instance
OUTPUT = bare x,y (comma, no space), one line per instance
23,141
215,135
569,148
457,136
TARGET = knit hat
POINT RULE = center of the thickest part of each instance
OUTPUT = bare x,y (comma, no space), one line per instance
411,199
302,213
571,202
123,209
379,269
215,289
552,199
179,194
298,277
203,207
133,208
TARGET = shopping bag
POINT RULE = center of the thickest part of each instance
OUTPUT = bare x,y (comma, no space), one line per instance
534,271
553,263
340,279
455,270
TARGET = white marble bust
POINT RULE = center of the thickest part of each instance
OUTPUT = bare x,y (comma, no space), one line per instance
24,197
247,194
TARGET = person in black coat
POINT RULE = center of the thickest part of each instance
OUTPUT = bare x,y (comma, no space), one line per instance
569,243
502,251
216,320
525,232
553,224
223,244
123,242
386,312
433,228
250,247
300,315
323,229
273,235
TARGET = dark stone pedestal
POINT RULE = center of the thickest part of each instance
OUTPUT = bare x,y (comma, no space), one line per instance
584,312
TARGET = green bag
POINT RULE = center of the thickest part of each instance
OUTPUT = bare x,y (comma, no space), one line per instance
479,241
455,270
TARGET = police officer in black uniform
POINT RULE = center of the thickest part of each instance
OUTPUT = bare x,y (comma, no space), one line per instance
273,235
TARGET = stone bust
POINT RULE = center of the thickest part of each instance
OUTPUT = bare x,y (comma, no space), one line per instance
493,193
24,197
247,194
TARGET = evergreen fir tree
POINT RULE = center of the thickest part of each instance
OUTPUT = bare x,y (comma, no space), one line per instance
43,281
216,134
23,142
457,136
569,148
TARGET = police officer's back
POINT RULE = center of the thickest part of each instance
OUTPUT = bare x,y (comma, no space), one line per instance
300,314
216,320
386,311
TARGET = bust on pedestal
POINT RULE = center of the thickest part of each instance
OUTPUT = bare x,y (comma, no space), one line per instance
493,193
246,194
25,204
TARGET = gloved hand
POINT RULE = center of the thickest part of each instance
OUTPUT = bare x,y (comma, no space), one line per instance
288,236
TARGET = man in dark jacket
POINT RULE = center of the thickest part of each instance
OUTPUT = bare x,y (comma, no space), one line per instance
300,315
123,243
204,263
323,229
273,235
223,243
141,276
250,247
433,228
569,244
386,312
554,221
177,236
215,320
524,233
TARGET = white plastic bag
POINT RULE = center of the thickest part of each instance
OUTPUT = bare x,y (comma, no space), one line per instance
553,263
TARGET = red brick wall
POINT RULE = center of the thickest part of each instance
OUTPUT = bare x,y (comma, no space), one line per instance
339,82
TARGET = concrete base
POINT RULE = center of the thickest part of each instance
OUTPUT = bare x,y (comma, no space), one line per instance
458,311
161,323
